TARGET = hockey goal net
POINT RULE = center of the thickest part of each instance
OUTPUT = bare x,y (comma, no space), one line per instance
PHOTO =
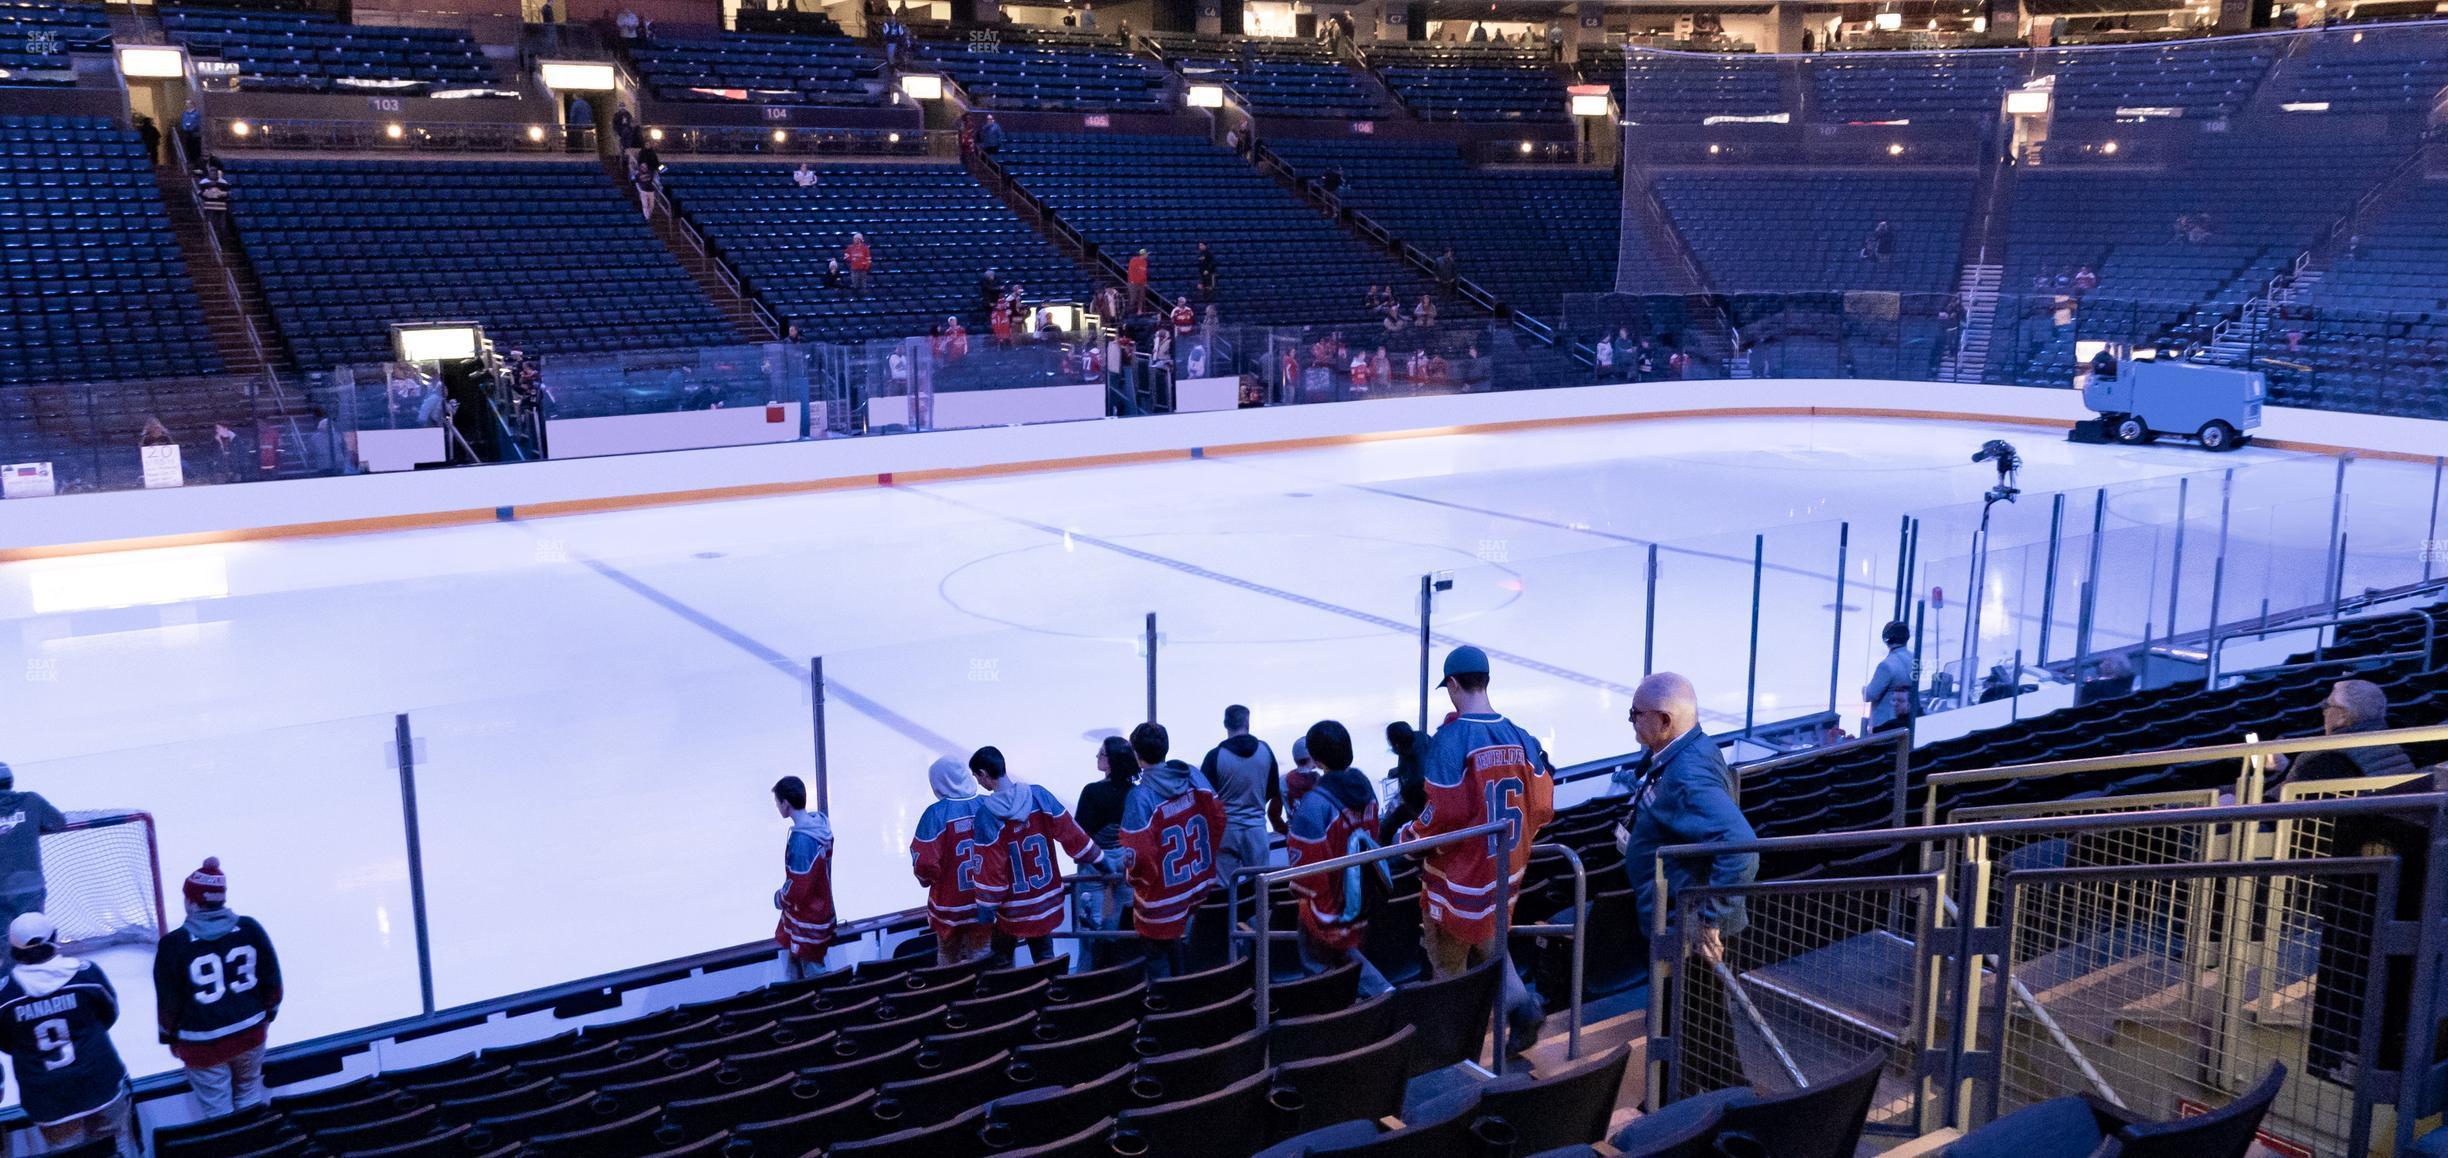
104,879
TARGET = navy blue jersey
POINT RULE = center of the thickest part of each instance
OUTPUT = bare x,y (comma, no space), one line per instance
59,1039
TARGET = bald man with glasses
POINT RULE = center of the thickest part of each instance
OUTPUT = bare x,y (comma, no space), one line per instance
1683,793
2353,706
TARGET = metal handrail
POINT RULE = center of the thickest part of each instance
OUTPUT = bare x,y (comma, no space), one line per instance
229,286
2430,640
2167,757
2242,813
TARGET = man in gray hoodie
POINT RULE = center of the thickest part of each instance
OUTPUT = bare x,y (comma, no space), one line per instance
1242,769
24,818
1892,692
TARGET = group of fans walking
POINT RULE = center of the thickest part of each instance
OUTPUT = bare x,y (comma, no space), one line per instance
1155,836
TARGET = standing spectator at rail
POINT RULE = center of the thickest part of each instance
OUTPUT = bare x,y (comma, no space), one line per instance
990,290
150,135
1183,318
1020,882
944,857
25,817
191,132
55,1018
990,136
1296,784
1478,768
1893,692
1243,772
1447,273
1101,904
1206,275
805,930
1108,305
860,259
1338,818
216,989
1135,275
1683,793
1602,356
1406,785
1170,825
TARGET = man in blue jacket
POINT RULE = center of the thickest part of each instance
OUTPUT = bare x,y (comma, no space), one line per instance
1683,793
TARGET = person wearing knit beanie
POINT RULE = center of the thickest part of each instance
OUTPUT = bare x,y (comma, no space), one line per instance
217,987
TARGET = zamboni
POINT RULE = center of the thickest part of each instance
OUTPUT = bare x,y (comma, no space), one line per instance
2142,399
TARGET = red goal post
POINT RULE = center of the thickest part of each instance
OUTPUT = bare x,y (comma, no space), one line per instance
103,877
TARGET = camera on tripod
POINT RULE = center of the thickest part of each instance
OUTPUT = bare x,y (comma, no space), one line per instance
2001,452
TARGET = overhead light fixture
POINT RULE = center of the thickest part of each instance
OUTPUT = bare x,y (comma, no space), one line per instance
576,75
394,131
1895,150
1716,149
2305,107
434,341
535,132
2108,147
1525,148
780,136
654,134
152,62
1888,21
240,128
892,138
1980,24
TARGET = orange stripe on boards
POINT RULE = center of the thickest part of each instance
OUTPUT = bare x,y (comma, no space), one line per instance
611,503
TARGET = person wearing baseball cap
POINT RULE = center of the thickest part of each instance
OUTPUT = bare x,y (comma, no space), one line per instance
216,989
24,819
55,1018
1480,767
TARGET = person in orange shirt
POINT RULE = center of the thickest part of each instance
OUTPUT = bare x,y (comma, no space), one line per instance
1138,279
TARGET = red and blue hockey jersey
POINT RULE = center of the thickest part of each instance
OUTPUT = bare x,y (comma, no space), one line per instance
945,857
1017,833
806,895
1473,760
1337,818
1170,824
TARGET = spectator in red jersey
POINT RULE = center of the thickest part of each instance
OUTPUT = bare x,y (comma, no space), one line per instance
805,931
1101,903
1136,276
860,259
1337,819
1478,768
1170,824
944,857
1184,318
1296,784
1020,883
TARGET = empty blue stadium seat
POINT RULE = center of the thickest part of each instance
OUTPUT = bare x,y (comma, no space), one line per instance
550,256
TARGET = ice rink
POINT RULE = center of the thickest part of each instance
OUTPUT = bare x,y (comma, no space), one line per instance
600,702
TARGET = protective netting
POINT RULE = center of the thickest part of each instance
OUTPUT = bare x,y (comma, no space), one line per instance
2170,991
104,878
